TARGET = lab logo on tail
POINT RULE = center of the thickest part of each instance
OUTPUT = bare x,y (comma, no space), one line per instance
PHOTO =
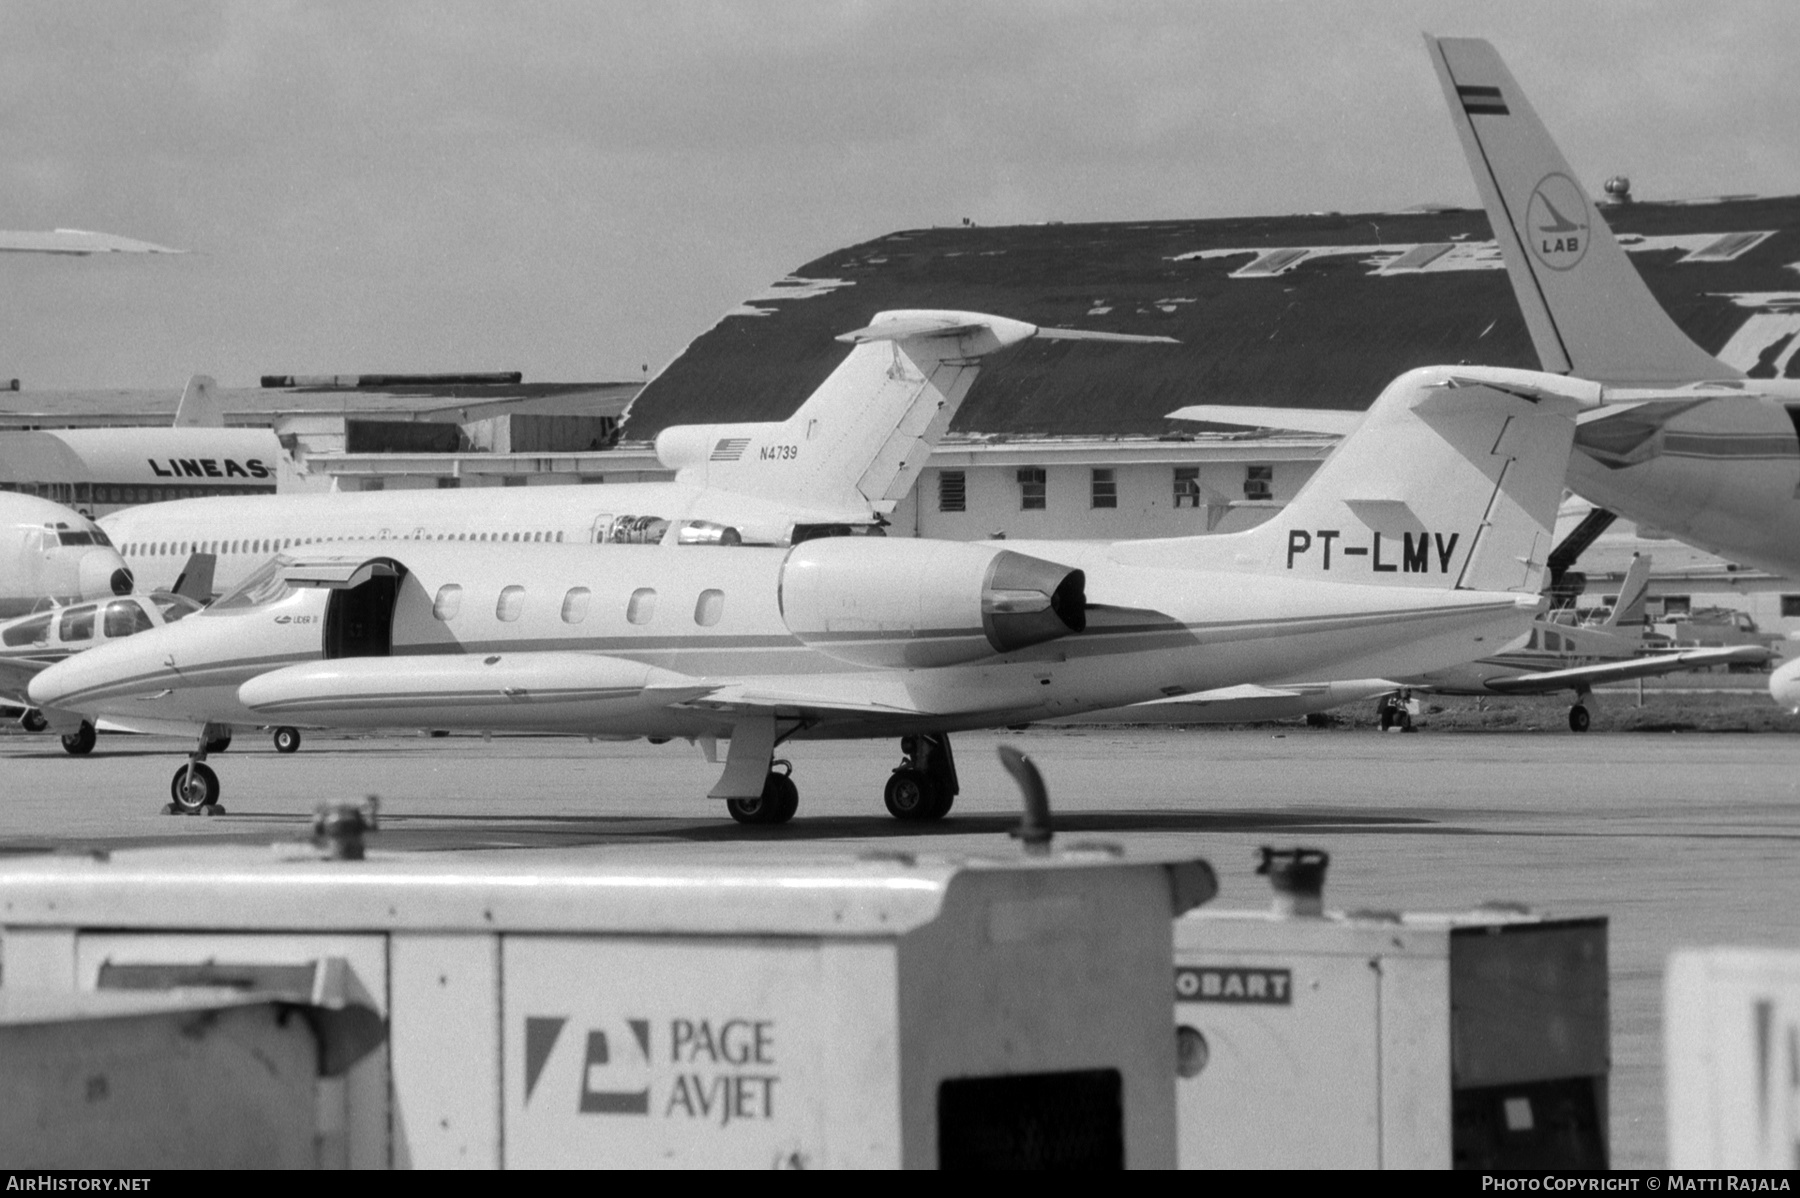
1558,218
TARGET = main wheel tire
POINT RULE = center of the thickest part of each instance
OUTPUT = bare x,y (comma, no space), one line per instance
80,742
287,740
910,796
193,787
775,805
945,801
219,744
1578,718
33,721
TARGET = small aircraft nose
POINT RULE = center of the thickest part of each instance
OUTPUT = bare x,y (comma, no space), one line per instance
49,685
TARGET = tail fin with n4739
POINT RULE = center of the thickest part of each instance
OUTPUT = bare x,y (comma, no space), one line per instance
858,442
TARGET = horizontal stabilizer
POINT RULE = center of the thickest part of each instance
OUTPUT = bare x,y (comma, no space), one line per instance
1298,420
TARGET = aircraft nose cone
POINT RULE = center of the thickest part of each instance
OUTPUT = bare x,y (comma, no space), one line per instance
100,570
1784,685
48,686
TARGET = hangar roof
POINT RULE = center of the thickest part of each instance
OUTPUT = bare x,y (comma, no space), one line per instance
262,406
1276,311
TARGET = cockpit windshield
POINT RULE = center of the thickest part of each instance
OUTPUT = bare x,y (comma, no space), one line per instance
267,585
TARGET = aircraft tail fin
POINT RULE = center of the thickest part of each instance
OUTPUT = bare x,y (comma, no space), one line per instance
858,442
1633,591
196,579
199,407
1451,481
1589,311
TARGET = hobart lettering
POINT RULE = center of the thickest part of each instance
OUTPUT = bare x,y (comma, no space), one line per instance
209,468
1413,553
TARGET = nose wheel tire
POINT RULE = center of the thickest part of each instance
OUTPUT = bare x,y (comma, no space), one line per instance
911,796
80,742
194,788
287,740
1578,718
776,805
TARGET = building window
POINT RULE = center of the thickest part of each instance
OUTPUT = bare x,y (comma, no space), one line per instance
575,605
1259,482
1790,606
710,607
1677,605
1187,486
952,491
1105,489
448,484
448,602
512,602
642,605
1031,489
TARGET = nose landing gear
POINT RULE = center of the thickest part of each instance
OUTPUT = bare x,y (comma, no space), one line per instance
194,790
80,742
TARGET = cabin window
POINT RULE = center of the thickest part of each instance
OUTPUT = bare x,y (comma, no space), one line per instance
31,632
124,617
575,605
512,602
642,605
1105,489
1553,642
1187,486
1259,482
77,624
1032,488
709,608
953,493
448,602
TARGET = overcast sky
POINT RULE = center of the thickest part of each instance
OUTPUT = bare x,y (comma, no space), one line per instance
576,190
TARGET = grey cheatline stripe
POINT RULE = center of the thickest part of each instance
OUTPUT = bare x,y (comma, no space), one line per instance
387,701
1729,445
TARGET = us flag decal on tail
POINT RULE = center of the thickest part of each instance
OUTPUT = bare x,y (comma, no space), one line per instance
729,449
1481,101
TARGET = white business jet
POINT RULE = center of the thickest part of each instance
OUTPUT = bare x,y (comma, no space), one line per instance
1680,442
1421,542
839,463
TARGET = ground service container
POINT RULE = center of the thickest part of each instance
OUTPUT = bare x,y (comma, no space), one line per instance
875,1012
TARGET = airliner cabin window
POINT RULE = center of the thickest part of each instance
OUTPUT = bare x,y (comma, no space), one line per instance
642,605
512,602
710,607
575,605
448,602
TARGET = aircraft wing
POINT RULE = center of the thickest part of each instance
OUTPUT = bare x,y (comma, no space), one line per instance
75,241
821,697
16,674
1301,420
1621,671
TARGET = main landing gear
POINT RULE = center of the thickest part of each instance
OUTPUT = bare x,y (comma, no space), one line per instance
194,790
80,742
1579,717
287,740
923,786
779,800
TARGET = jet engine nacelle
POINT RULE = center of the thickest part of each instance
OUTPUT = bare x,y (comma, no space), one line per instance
919,603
